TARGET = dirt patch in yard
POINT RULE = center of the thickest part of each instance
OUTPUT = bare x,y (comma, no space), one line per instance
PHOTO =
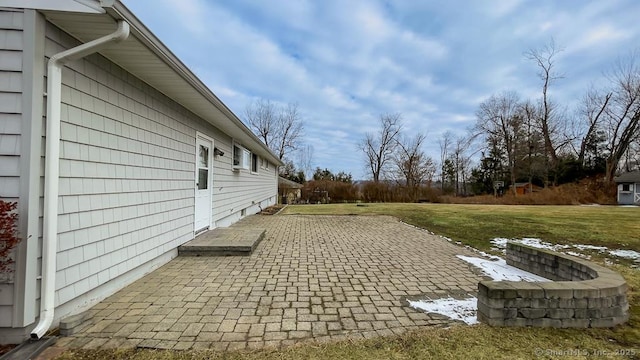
272,210
6,348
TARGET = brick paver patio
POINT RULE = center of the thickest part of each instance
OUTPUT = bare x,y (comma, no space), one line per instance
312,277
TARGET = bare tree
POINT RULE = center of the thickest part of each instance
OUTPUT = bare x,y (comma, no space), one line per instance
591,112
378,147
532,148
544,58
461,162
289,129
499,119
305,159
622,113
281,129
445,143
412,165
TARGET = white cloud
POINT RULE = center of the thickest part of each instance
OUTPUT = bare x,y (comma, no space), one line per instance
600,35
192,14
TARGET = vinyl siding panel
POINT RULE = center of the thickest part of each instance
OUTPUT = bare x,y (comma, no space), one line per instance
11,46
127,174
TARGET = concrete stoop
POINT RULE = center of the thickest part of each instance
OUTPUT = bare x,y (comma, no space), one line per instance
231,241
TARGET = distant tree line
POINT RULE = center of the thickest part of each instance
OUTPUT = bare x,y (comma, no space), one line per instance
535,141
539,141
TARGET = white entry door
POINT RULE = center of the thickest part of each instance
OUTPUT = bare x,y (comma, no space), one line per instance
203,183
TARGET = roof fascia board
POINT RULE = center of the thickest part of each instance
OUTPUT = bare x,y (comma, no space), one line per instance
80,6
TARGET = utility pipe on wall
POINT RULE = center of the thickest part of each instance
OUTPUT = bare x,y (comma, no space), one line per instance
52,169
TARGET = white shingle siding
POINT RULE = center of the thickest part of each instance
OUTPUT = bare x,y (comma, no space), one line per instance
127,174
11,46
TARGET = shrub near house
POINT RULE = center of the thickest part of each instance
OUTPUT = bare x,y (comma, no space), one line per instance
8,236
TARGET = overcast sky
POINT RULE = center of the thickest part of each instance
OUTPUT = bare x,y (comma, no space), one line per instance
345,62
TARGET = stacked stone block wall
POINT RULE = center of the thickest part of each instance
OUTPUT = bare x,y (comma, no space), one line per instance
583,294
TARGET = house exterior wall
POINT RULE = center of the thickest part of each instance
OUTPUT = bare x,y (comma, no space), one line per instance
127,177
11,54
127,174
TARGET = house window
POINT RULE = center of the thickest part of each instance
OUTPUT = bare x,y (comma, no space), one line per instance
254,163
241,157
626,187
203,168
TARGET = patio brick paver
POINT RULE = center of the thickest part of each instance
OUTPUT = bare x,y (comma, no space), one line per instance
318,278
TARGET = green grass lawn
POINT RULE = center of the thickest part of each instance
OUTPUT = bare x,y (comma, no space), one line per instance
474,225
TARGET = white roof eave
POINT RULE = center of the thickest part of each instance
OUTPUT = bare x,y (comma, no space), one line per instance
146,57
79,6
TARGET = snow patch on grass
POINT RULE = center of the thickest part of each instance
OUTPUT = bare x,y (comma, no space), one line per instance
499,270
627,254
466,309
590,247
500,244
463,310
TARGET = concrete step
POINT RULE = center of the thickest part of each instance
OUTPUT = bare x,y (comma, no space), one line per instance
73,324
230,241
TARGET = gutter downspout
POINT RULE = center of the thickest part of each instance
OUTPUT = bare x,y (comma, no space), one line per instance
52,169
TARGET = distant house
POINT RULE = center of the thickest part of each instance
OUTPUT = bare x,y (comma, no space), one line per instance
628,188
135,154
289,191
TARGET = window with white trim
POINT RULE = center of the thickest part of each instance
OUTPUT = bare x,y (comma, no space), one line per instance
241,157
254,163
264,163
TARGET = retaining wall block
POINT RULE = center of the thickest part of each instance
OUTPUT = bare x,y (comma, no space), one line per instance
510,313
565,261
490,321
581,303
532,313
554,303
483,289
607,322
517,303
546,322
580,313
539,303
501,289
494,303
575,323
567,303
560,313
557,290
489,312
611,290
530,290
583,290
519,322
596,297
